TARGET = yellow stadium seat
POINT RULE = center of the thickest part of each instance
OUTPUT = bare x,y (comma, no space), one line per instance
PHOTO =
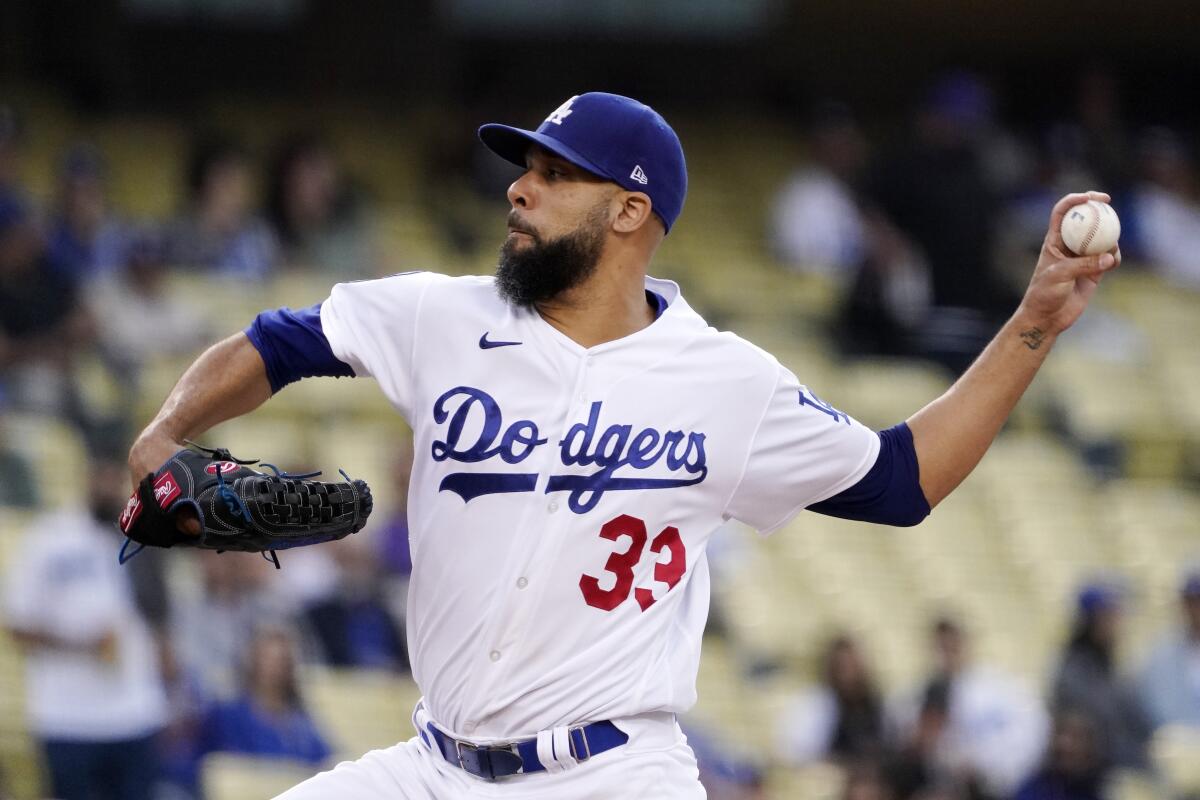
57,453
812,782
225,776
1175,751
361,710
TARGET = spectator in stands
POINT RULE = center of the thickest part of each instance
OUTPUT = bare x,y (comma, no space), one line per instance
353,626
219,230
18,481
213,630
725,772
1170,680
1165,217
94,695
996,727
935,190
316,216
866,782
841,719
268,717
1088,681
920,766
816,224
10,156
85,240
42,323
1072,770
138,320
1102,128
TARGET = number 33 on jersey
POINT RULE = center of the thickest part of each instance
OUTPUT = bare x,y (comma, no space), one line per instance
577,488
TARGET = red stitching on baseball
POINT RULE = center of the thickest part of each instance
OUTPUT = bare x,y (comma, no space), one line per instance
1083,245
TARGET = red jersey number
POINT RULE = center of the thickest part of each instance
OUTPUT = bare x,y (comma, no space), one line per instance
622,564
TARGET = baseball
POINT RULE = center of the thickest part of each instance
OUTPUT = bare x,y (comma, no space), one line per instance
1091,228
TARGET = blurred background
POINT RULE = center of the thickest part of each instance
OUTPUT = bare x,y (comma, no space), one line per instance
870,182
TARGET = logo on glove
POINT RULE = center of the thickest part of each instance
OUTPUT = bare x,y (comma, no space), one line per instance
166,489
222,467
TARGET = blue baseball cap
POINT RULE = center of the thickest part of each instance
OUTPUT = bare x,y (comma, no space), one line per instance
611,136
1096,597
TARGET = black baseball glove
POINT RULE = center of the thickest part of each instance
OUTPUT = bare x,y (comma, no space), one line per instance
240,508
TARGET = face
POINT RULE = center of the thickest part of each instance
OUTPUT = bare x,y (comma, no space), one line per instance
1106,625
109,491
272,659
227,190
312,187
556,230
950,649
1072,747
1191,613
847,671
83,200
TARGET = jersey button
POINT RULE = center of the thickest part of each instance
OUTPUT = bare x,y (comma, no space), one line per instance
494,655
552,507
522,582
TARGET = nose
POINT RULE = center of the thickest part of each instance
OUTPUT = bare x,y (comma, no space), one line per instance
519,194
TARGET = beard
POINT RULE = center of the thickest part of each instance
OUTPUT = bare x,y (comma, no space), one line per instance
543,269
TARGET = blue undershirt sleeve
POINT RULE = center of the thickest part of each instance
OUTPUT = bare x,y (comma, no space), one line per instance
890,493
293,346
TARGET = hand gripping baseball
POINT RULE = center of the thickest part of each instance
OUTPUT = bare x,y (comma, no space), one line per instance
1063,283
239,508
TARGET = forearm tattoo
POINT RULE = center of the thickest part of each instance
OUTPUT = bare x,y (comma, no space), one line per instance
1033,338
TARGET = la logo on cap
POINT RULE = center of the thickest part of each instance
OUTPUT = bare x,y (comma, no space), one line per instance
562,112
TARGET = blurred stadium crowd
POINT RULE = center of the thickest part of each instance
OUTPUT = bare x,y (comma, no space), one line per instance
1037,639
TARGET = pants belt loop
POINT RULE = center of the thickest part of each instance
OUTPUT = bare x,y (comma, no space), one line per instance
562,748
545,751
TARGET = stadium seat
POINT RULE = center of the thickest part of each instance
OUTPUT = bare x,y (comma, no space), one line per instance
1175,751
360,710
55,450
225,776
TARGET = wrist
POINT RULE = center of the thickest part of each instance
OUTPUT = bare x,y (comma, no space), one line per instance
1033,332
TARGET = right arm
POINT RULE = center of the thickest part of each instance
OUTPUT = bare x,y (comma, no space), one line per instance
226,381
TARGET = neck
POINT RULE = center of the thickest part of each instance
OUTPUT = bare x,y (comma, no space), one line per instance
608,306
271,701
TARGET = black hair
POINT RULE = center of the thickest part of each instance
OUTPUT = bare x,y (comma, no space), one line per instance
210,151
294,149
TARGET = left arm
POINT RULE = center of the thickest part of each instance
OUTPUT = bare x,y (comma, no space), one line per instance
952,433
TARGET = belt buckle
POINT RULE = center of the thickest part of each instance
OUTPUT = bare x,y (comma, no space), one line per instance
458,750
488,773
586,746
459,746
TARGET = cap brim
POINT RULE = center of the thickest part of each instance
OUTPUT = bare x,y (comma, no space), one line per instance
512,144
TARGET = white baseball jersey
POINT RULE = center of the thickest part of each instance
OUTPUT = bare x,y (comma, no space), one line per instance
562,497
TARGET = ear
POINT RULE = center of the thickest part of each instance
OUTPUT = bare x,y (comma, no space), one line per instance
633,211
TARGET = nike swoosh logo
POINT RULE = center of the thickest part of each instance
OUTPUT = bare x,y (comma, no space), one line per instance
484,344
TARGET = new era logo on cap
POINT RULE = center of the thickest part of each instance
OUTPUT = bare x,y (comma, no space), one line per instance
611,136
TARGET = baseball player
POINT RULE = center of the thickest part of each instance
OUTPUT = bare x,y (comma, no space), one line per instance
579,434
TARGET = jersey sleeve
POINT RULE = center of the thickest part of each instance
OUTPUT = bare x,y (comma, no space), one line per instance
372,326
803,451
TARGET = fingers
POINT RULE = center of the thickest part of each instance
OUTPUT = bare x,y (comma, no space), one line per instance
1066,204
1074,267
186,521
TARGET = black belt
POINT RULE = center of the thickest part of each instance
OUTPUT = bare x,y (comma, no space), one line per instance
500,760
